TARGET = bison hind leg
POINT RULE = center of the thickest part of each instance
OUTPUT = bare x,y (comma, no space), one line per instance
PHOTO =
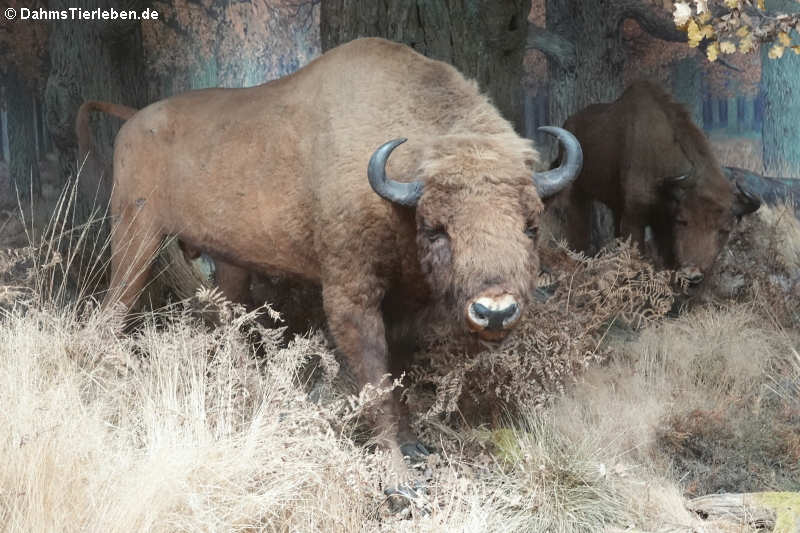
234,282
134,243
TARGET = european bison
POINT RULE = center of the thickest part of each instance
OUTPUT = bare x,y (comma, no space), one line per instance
647,161
293,177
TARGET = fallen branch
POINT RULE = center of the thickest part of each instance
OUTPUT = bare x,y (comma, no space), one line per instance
775,511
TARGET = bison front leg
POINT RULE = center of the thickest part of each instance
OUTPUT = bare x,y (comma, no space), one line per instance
356,323
632,226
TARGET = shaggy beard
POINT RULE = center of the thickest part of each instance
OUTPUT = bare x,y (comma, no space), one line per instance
443,322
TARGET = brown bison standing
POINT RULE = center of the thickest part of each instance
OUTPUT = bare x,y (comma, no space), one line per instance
286,178
647,161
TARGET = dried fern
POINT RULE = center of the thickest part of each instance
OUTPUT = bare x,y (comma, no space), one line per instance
555,343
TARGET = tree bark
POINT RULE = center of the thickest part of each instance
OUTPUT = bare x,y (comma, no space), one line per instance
484,39
23,166
4,148
91,60
780,85
595,76
593,29
687,85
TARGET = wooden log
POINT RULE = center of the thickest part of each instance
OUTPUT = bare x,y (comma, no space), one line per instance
171,271
778,512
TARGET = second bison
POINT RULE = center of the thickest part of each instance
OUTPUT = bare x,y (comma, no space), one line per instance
301,177
652,166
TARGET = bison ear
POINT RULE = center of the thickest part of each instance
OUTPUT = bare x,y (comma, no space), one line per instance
745,202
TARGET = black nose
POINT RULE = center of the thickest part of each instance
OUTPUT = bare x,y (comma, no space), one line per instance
494,317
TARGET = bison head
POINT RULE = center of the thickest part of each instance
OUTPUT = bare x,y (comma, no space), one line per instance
477,212
700,215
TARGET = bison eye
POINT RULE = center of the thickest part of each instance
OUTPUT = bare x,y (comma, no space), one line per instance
531,232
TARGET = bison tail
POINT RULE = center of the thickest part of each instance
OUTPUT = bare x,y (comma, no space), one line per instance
82,122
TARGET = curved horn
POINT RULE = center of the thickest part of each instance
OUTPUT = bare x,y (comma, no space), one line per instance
395,191
554,181
746,201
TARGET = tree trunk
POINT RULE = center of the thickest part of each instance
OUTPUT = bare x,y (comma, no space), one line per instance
687,87
596,75
23,167
780,85
4,148
484,39
91,60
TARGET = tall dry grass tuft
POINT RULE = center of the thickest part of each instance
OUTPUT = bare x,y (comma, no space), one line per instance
548,482
692,399
761,264
739,152
175,428
67,245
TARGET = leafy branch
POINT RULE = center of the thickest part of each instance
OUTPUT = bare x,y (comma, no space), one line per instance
731,26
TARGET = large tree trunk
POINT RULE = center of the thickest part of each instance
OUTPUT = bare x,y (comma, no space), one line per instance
780,85
484,39
4,142
91,60
596,74
23,166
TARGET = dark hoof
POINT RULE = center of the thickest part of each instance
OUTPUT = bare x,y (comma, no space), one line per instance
415,451
405,497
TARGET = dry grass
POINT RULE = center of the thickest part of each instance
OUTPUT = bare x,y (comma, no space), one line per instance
603,414
192,437
760,264
738,152
744,152
690,404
